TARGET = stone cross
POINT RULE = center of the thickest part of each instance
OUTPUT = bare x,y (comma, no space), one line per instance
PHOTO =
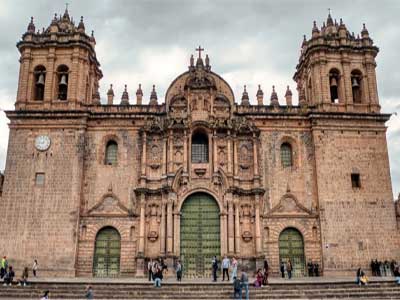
199,49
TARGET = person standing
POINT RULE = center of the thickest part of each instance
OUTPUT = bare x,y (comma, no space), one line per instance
34,267
282,268
214,266
89,292
234,267
179,271
244,279
266,272
4,265
225,267
150,269
24,277
289,268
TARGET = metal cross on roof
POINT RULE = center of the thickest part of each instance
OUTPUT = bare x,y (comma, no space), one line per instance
199,49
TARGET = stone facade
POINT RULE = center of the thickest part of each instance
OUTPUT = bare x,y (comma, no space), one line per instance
320,167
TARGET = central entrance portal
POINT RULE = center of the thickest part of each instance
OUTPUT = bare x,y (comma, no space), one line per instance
200,234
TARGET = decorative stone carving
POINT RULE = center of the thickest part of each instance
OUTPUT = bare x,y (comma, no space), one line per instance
110,206
247,236
289,206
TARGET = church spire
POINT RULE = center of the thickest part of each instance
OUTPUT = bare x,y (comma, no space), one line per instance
125,97
245,97
274,97
31,26
153,96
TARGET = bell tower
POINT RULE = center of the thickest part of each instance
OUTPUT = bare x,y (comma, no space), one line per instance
58,66
336,69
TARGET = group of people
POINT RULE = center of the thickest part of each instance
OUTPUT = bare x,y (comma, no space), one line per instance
313,269
286,268
7,273
156,269
226,265
385,268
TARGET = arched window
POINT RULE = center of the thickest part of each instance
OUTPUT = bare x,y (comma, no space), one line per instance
286,155
62,87
111,153
334,85
356,86
199,148
40,79
107,253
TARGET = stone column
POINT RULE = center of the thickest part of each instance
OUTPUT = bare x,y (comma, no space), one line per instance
177,235
164,158
144,163
162,228
142,225
231,227
346,84
210,151
170,224
255,155
215,149
224,241
170,153
257,224
185,152
237,226
235,158
229,154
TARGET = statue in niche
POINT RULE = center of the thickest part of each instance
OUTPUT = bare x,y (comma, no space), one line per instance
154,222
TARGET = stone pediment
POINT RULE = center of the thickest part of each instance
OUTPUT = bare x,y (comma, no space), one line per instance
110,206
288,205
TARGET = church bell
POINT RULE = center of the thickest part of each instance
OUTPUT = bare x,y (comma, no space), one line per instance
355,84
333,81
63,80
40,80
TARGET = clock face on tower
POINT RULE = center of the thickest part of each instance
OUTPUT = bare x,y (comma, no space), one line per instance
42,142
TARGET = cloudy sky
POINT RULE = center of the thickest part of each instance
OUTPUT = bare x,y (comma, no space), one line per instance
249,42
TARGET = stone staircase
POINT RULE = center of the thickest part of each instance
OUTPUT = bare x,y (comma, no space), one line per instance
386,289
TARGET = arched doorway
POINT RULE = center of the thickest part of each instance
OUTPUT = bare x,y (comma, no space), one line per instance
291,246
107,253
200,234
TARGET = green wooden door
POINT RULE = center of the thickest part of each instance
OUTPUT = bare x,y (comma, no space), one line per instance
107,253
291,247
200,235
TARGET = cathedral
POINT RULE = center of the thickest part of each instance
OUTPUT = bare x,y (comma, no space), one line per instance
99,188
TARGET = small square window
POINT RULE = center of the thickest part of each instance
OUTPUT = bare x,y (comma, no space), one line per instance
39,179
355,180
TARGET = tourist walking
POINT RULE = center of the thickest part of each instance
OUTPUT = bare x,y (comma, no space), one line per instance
244,279
214,266
179,271
234,267
4,266
237,288
289,268
34,267
266,272
282,268
89,292
8,278
225,267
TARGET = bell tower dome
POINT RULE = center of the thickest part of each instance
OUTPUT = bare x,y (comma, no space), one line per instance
58,66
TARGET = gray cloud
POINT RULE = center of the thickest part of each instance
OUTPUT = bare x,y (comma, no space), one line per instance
249,42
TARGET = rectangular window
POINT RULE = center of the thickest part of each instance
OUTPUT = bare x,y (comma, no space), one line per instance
355,180
39,179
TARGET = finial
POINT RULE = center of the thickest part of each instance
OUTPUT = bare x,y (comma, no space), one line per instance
364,32
199,49
245,97
274,96
153,96
304,41
66,15
81,25
139,90
92,33
329,20
315,28
31,26
288,92
259,91
207,61
125,96
341,21
110,90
